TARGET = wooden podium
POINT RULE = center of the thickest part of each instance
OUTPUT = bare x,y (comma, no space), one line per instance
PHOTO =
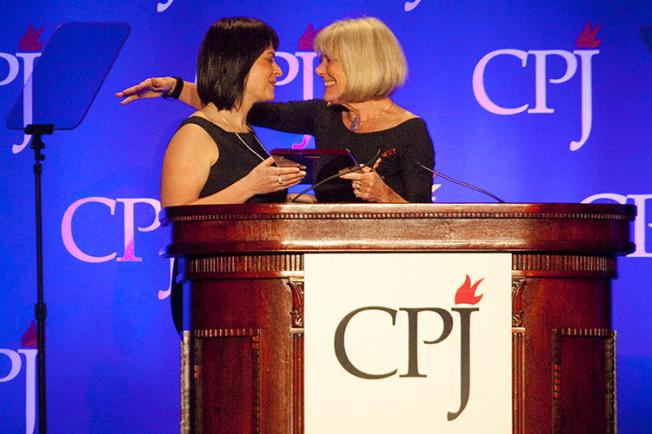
242,269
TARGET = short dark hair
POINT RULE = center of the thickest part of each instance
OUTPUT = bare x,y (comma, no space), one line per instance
230,48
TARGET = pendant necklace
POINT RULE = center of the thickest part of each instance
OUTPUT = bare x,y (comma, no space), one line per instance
356,121
355,124
241,139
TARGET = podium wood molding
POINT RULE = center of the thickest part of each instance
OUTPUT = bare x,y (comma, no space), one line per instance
243,266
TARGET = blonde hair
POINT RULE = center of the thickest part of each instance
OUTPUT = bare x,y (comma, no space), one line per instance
371,57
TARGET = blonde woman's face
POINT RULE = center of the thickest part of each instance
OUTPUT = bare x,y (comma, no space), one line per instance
330,70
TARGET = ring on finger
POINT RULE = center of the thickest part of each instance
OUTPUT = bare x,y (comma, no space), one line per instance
279,179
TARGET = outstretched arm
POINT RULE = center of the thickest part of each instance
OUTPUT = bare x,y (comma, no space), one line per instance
293,117
158,86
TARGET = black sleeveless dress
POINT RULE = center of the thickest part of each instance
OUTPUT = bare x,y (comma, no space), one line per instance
235,160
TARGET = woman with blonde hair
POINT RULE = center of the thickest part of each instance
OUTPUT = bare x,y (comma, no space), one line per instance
362,64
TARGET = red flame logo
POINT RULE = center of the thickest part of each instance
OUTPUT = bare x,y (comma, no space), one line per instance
307,40
466,293
29,337
587,39
30,40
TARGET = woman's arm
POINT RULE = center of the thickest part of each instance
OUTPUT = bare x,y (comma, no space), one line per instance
418,148
158,86
296,117
188,159
292,117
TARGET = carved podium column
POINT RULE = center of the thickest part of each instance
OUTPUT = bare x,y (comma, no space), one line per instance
242,364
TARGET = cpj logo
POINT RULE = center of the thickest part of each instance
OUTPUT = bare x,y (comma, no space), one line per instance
576,62
465,295
21,65
23,361
131,207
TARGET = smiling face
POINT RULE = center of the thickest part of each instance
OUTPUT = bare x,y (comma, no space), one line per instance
330,70
261,80
362,60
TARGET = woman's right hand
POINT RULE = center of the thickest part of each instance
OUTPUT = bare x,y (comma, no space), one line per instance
268,178
151,88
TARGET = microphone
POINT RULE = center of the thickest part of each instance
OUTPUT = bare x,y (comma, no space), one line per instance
337,175
462,183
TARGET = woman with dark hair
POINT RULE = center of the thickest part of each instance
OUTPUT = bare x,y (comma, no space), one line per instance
215,157
362,64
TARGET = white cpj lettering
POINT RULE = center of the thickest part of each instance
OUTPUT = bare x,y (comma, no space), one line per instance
12,74
307,63
15,363
165,293
129,248
541,81
15,368
129,239
14,67
413,343
410,5
641,224
163,6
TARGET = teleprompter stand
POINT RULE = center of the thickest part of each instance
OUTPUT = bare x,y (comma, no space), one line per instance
57,96
40,312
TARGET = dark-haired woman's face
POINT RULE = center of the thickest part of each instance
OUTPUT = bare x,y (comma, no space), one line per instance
261,80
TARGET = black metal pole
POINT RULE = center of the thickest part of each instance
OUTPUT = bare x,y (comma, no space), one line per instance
39,309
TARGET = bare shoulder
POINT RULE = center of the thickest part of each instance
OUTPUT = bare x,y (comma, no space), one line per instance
398,116
192,139
405,114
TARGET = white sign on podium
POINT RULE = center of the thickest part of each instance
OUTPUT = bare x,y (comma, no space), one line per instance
408,343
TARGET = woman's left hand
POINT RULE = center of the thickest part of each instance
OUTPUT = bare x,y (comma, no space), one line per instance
369,186
149,88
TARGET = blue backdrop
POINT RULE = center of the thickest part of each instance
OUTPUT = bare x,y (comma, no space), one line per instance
536,101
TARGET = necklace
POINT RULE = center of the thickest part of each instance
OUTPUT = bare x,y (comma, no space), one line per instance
356,121
241,139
